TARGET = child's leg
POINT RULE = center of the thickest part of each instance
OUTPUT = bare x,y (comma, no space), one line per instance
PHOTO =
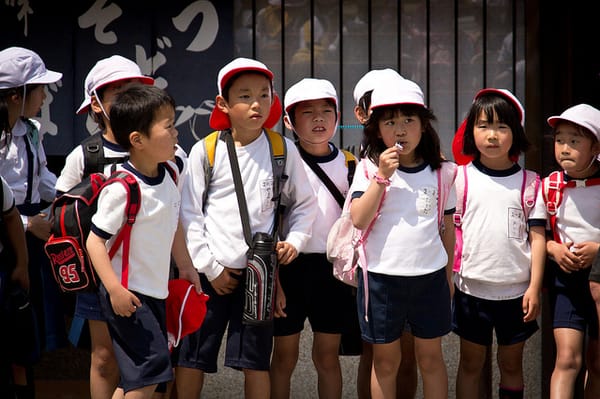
472,359
363,374
327,362
569,346
592,387
141,393
406,382
386,361
283,362
433,369
188,382
256,384
104,371
510,363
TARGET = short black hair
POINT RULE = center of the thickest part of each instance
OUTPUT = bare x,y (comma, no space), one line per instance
134,109
505,112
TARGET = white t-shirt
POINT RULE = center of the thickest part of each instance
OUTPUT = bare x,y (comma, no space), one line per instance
496,261
152,233
405,240
213,230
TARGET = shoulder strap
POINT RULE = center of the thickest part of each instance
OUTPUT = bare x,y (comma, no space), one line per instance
529,191
552,190
210,147
335,192
93,155
350,164
132,208
278,159
446,174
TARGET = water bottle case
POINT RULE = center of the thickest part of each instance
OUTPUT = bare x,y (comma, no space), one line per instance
261,275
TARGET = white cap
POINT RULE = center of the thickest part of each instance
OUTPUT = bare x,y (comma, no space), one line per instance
110,70
583,115
20,66
398,92
372,79
508,96
309,89
219,120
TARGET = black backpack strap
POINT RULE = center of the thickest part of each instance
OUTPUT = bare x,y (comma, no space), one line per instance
335,192
93,156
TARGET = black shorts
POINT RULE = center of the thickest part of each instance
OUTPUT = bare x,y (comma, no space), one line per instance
475,319
248,346
139,342
313,292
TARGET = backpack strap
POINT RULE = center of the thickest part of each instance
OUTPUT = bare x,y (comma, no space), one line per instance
350,165
132,208
446,174
529,191
93,155
461,185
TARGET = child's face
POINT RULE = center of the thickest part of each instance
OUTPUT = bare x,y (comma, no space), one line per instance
405,130
315,121
249,102
162,138
573,150
109,93
34,100
493,140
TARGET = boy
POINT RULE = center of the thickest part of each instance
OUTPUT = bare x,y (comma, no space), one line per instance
245,105
142,118
311,291
575,222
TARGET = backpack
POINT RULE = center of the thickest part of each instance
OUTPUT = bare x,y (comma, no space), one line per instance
278,159
72,213
553,187
529,189
93,155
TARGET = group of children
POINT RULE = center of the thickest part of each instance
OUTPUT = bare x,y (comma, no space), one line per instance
451,248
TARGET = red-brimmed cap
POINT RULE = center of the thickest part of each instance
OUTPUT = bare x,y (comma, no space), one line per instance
218,119
185,310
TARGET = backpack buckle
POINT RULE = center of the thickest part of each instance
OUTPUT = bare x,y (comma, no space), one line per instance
554,185
551,208
457,219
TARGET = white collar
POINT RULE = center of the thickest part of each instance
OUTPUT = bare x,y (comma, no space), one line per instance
20,128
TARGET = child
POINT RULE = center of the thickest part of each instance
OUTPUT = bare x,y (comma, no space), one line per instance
102,83
499,281
23,79
245,105
406,387
574,245
142,119
311,290
406,247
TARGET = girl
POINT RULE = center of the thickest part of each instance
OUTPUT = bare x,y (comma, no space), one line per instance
102,83
408,267
23,78
499,275
573,247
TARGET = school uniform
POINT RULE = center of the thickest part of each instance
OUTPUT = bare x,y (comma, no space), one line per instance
496,257
140,341
310,288
215,239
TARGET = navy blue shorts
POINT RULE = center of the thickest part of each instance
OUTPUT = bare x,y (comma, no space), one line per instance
421,301
248,347
139,342
312,292
475,319
87,306
572,303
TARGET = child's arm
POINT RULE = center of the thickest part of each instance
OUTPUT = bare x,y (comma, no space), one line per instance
363,209
586,252
280,300
449,239
286,252
183,261
16,234
123,301
531,299
562,255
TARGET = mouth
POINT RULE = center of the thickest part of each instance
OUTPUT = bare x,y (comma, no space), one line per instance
257,116
319,129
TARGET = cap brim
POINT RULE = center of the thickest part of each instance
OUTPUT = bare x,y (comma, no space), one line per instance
46,78
501,93
147,80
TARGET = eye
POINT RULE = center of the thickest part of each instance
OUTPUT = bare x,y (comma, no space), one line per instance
389,122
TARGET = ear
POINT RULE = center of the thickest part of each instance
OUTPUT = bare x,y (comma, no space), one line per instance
95,105
360,115
288,123
221,103
596,147
136,139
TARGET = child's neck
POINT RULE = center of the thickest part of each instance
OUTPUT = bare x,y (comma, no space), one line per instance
244,137
410,160
109,135
496,163
318,150
143,165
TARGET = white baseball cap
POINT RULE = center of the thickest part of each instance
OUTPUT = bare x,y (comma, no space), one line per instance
508,96
583,115
372,79
110,70
309,89
397,92
218,119
20,66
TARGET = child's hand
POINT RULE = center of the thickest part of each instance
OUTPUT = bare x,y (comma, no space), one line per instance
531,305
39,226
190,274
586,252
286,252
566,260
280,301
124,302
388,162
227,281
